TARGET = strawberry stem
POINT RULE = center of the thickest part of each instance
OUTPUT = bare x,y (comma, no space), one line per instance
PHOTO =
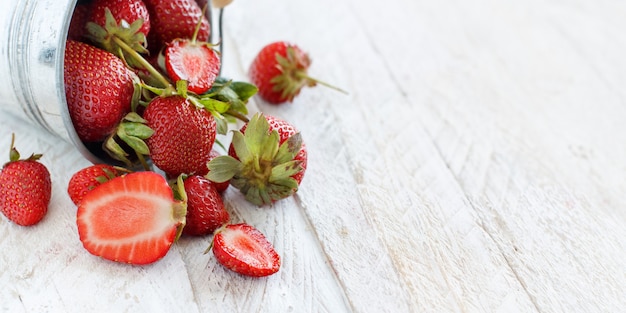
303,75
142,61
199,24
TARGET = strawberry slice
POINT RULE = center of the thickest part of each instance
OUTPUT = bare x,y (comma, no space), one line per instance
131,219
245,250
195,62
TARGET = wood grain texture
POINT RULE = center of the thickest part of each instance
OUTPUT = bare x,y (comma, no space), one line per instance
477,164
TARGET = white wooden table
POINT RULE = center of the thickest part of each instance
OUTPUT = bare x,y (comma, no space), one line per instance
478,164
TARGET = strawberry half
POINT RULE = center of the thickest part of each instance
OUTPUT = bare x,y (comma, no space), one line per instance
193,61
245,250
131,219
25,188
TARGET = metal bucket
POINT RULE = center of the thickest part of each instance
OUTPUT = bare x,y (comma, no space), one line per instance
32,45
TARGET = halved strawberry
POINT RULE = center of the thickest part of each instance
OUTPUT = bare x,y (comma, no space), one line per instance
193,61
245,250
131,219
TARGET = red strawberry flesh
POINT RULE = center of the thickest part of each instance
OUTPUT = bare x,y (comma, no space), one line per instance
131,219
196,63
245,250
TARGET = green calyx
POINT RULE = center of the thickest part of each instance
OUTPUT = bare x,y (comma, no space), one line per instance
14,155
294,75
129,33
264,168
131,134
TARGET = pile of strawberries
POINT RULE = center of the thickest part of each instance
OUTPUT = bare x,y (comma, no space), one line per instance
143,85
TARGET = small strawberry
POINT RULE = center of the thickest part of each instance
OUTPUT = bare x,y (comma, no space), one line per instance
266,160
131,219
245,250
25,188
172,19
89,178
205,208
280,72
125,12
196,62
99,89
183,135
120,27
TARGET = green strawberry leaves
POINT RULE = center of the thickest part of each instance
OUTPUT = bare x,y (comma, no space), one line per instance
263,168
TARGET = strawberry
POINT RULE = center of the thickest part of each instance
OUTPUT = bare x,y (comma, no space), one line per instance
132,218
80,16
266,160
196,62
280,72
120,27
127,11
205,208
183,135
89,178
99,89
245,250
173,19
25,188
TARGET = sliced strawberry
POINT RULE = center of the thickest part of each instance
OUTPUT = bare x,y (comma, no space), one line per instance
195,62
245,250
131,219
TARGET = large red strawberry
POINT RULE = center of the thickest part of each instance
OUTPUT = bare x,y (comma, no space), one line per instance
131,219
245,250
99,89
205,208
172,19
196,62
183,135
25,188
89,178
266,161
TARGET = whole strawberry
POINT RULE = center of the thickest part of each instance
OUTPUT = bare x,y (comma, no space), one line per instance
25,188
173,19
183,135
79,19
280,72
99,89
266,162
205,208
112,21
128,11
88,178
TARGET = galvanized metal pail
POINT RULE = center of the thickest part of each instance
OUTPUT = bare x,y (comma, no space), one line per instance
32,45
